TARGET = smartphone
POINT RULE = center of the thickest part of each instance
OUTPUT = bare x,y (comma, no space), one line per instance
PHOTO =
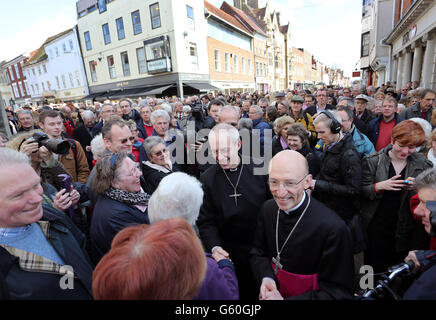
67,186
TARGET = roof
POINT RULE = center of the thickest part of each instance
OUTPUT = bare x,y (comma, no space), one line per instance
246,20
260,12
40,54
226,17
284,29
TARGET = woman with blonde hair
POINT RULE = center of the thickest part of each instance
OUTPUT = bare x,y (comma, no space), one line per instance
279,141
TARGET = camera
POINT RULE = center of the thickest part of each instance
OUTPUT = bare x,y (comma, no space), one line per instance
431,205
59,147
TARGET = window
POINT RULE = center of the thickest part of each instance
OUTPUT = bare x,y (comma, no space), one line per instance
257,68
136,22
64,47
155,15
227,61
33,71
101,6
250,67
217,60
70,75
50,54
16,93
87,40
77,75
243,70
92,70
193,54
58,83
37,88
125,63
106,34
71,45
16,71
39,70
264,69
23,93
57,51
64,83
33,88
270,59
235,64
11,72
44,68
120,28
190,15
158,54
111,66
142,64
43,86
365,45
49,85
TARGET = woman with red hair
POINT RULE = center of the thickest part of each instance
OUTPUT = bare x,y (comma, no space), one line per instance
163,261
388,182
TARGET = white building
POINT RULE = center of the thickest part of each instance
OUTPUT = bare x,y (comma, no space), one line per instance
137,48
55,71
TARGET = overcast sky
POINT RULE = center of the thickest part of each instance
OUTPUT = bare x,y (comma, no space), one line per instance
329,29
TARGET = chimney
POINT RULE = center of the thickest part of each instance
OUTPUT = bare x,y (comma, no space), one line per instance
254,4
278,17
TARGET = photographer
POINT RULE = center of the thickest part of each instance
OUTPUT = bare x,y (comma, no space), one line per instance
425,261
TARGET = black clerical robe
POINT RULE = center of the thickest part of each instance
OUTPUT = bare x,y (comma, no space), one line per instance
223,223
320,244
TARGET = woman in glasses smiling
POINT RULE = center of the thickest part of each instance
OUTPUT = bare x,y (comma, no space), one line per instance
121,202
159,164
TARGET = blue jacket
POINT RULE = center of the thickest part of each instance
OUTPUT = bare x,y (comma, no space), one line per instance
110,217
374,127
261,125
363,145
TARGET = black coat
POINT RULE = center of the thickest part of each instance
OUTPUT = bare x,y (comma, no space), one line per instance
367,116
97,128
135,116
82,135
312,109
338,182
110,217
153,176
69,243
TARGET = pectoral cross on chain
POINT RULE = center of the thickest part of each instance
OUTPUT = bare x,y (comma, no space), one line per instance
236,195
277,264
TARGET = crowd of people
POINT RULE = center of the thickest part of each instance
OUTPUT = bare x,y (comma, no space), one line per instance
164,198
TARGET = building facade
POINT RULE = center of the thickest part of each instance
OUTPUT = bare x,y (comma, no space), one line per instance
230,51
138,48
5,86
413,42
17,79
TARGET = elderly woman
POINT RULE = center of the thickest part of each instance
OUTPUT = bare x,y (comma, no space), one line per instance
431,147
137,143
180,196
48,168
163,261
377,110
97,148
380,96
387,186
159,164
121,201
279,141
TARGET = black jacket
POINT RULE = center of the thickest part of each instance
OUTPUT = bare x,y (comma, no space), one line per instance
69,243
367,116
141,130
110,217
312,109
338,182
82,135
414,111
374,127
96,130
153,174
135,116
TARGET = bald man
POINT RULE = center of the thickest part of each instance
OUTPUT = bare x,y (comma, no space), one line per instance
302,249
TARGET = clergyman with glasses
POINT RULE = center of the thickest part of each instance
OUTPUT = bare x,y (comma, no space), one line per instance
302,249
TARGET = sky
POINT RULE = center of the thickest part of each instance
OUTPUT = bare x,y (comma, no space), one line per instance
329,29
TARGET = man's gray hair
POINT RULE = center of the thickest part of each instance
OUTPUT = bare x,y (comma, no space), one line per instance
245,123
10,157
97,147
227,108
259,110
177,196
23,111
426,179
150,143
87,114
322,117
143,105
159,114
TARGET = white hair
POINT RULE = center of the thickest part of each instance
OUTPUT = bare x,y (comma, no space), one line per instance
186,109
426,126
87,114
159,114
97,147
224,128
226,108
177,196
10,157
400,108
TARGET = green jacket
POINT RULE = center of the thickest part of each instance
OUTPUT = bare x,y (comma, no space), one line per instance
375,168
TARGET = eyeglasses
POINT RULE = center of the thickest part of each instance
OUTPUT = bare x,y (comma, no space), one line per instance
124,141
160,152
275,185
321,95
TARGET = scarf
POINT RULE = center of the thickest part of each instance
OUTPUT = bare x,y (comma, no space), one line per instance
135,199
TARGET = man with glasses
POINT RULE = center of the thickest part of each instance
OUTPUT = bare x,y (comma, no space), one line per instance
423,109
106,111
129,112
321,98
287,226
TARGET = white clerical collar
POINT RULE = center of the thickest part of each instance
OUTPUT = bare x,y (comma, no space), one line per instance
297,206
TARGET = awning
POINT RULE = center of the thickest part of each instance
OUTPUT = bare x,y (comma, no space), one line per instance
123,93
202,86
150,90
106,95
159,90
92,96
